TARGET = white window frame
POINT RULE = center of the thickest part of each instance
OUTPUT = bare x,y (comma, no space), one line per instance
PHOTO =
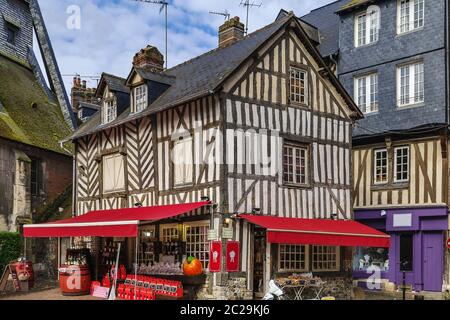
411,16
173,234
116,171
205,243
183,164
375,152
337,259
298,97
370,102
415,89
396,163
110,110
292,262
294,172
140,98
371,32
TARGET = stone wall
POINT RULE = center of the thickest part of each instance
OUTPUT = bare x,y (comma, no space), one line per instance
234,288
15,197
338,287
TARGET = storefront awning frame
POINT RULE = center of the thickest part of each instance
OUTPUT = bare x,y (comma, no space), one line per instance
319,231
109,223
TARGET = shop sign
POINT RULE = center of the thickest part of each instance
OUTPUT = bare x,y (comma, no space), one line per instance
448,243
100,292
402,220
212,234
232,264
215,256
227,233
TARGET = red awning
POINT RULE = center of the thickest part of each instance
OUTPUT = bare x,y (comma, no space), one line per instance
319,231
108,223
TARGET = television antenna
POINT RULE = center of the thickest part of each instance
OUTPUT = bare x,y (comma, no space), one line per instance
248,5
164,5
225,13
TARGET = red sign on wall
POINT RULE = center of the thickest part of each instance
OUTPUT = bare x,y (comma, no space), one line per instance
232,264
215,256
448,243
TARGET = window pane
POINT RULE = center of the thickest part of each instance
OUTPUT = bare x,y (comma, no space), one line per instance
401,164
380,166
404,15
418,13
374,16
141,98
11,35
292,257
325,258
361,30
298,85
197,244
295,164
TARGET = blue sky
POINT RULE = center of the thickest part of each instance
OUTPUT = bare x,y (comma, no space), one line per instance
112,31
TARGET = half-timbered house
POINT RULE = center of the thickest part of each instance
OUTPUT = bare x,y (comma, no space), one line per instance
259,125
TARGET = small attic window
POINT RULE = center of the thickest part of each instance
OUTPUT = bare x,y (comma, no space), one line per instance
11,33
109,110
140,98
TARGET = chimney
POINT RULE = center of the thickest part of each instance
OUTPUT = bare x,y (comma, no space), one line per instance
149,58
230,32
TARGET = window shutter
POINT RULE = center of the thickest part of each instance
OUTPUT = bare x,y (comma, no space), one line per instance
178,162
188,163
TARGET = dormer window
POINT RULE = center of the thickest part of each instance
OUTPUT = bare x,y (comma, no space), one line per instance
140,98
110,111
11,33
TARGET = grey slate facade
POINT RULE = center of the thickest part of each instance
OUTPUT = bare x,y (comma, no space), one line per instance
16,13
427,44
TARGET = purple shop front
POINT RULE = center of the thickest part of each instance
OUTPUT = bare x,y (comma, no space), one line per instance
417,246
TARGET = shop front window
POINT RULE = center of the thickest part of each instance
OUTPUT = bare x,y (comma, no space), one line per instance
147,237
325,258
197,244
292,257
406,252
368,257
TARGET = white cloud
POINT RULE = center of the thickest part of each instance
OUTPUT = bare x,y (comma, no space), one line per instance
112,31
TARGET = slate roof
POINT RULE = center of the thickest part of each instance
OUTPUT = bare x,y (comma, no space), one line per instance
199,77
327,21
26,114
154,76
89,105
194,78
114,83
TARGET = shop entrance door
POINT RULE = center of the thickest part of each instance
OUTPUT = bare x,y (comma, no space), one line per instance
433,262
405,258
258,263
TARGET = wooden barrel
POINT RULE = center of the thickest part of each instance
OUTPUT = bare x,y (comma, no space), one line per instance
26,269
74,280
